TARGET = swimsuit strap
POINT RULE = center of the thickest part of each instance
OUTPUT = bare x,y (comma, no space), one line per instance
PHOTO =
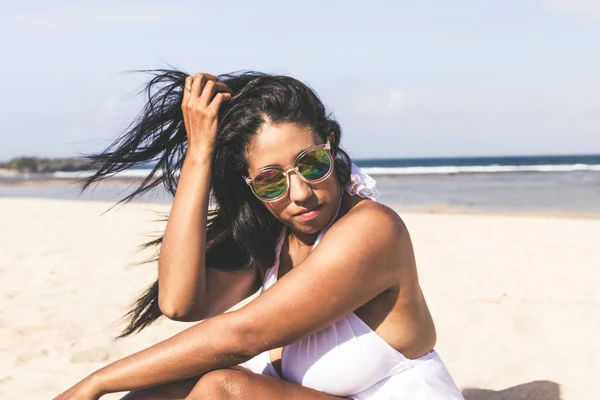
272,272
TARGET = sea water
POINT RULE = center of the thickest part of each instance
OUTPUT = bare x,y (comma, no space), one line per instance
530,184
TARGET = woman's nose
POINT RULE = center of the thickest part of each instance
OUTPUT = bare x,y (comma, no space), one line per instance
300,191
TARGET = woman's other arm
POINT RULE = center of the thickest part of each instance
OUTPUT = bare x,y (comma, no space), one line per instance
188,290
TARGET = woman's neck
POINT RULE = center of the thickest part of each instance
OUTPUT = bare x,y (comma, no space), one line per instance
300,239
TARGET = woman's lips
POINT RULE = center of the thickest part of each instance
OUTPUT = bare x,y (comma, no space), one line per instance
305,216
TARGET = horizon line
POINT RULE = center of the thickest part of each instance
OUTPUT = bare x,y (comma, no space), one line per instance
379,158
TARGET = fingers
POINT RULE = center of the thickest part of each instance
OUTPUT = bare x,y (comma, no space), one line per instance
202,97
186,96
187,88
193,87
218,100
202,89
210,89
198,82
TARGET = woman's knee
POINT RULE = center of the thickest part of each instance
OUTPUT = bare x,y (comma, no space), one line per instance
171,391
221,384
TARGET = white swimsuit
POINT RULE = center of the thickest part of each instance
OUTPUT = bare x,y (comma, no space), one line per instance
350,359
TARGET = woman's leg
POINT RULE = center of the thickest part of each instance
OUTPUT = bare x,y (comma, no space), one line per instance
234,383
171,391
242,384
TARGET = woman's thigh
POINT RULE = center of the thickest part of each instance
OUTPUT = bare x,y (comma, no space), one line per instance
241,383
179,390
234,383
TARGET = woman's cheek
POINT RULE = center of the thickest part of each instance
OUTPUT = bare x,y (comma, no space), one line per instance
279,211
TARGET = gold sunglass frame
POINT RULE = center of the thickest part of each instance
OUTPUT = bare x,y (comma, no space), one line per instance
293,167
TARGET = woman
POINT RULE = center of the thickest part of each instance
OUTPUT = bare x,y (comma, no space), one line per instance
343,319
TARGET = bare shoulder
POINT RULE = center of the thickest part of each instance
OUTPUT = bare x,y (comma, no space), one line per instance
370,217
373,230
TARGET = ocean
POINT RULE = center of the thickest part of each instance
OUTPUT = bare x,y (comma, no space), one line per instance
557,185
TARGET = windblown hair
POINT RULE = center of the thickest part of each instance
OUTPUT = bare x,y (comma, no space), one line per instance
241,233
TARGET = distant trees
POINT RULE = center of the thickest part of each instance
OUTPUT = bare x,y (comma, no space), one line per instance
35,164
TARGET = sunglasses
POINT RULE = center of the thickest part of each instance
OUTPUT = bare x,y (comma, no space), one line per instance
312,165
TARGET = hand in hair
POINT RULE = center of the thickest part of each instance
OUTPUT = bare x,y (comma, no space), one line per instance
202,97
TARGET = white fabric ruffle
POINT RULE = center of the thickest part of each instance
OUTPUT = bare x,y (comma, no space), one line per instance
361,184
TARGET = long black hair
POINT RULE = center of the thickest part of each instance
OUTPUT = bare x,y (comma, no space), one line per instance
241,232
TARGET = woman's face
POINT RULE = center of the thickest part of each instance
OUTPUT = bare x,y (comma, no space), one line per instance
279,145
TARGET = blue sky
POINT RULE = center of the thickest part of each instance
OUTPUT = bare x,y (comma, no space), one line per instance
404,78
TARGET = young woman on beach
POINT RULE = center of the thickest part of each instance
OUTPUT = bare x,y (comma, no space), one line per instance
340,313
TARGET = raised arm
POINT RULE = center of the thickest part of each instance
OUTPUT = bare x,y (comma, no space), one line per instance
188,290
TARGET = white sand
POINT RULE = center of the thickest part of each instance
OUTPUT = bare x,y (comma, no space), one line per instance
515,299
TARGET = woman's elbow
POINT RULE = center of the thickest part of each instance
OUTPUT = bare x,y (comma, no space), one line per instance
179,313
247,339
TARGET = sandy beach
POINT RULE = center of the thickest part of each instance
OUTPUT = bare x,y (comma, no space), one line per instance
514,298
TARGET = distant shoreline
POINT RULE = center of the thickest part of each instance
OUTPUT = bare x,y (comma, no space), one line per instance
75,168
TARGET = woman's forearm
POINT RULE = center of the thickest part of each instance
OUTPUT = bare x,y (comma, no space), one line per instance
209,345
181,264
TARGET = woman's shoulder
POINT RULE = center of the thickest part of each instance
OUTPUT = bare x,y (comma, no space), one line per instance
372,231
366,216
365,207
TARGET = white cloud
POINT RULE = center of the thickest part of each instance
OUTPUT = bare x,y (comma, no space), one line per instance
398,99
125,13
395,101
591,8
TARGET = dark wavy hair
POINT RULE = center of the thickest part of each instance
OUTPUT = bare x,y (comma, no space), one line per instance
241,233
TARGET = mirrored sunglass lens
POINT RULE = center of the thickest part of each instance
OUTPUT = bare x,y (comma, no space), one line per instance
269,184
314,164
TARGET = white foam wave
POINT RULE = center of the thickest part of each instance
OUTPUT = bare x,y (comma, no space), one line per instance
487,169
445,170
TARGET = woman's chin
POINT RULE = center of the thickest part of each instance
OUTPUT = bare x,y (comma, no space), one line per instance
310,223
